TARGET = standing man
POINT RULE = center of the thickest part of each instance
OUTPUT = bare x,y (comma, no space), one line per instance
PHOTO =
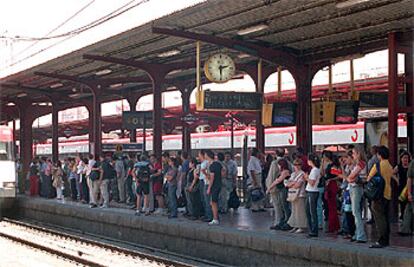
107,175
93,174
157,183
204,182
121,178
214,185
232,171
254,169
142,173
408,220
380,206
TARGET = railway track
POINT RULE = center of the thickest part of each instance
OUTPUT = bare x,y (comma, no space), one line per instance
88,250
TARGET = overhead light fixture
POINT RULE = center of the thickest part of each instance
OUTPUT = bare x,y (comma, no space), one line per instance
116,85
77,95
44,104
21,95
11,104
56,85
349,3
243,55
74,90
169,53
170,88
252,29
175,72
103,72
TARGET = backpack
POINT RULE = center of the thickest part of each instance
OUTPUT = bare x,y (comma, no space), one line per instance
143,173
234,201
374,189
224,172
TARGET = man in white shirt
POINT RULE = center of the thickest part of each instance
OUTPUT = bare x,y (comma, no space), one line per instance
204,182
254,170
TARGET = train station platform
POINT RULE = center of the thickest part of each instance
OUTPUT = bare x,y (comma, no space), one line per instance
242,239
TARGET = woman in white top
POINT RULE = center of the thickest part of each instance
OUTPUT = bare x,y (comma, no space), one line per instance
296,196
312,194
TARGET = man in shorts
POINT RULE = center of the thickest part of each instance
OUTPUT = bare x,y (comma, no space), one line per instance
142,173
214,185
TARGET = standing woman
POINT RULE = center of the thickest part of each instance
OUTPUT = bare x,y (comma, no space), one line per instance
171,177
296,196
312,193
401,171
73,179
278,194
57,177
331,191
34,178
84,182
193,189
355,180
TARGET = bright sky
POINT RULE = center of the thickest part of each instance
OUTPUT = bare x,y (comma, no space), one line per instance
36,18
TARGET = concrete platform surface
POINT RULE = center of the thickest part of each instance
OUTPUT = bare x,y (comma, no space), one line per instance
242,238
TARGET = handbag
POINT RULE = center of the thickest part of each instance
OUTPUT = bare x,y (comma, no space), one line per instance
293,194
374,189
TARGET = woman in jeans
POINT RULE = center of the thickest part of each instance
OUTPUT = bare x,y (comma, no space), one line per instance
312,193
298,218
278,194
171,177
358,174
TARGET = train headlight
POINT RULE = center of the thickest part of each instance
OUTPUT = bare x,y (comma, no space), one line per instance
9,184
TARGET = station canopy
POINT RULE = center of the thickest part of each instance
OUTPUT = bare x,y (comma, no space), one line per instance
311,31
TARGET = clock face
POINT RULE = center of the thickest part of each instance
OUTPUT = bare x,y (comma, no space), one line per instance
219,68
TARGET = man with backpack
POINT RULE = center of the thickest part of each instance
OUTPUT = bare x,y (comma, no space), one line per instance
121,178
141,174
214,184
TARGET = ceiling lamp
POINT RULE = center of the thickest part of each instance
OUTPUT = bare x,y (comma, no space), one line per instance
56,85
21,95
43,104
11,104
251,29
169,53
103,72
349,3
116,85
243,55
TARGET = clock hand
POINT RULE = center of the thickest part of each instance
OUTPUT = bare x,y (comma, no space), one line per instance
221,71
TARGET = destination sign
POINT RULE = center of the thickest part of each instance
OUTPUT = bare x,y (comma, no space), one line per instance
135,119
232,101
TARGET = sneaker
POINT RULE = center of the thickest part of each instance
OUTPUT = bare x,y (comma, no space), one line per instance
137,213
104,207
298,231
158,212
293,230
275,227
214,222
147,213
92,206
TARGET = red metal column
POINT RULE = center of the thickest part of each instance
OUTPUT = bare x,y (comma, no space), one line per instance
186,136
392,97
97,122
55,132
303,78
26,137
158,83
410,99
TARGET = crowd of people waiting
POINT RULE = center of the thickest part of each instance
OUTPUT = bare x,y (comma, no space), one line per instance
308,192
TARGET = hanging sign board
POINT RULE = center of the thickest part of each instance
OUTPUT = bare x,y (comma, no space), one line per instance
346,112
379,99
135,119
110,147
68,132
231,101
